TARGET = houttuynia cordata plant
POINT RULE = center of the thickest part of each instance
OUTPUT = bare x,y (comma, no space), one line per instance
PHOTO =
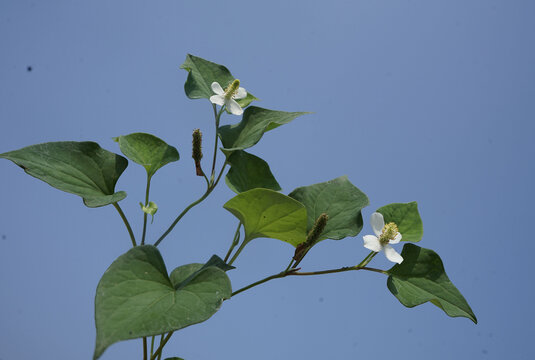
137,297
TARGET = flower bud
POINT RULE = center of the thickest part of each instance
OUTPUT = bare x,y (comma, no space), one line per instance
150,209
196,153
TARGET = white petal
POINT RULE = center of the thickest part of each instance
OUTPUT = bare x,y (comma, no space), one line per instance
372,243
217,99
392,254
217,88
233,107
396,239
378,223
240,94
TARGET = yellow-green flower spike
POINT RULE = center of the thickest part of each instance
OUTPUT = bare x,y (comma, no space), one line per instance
389,232
232,89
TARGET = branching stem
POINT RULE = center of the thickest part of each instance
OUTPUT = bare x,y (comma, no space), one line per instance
242,246
158,351
188,208
210,184
295,272
235,242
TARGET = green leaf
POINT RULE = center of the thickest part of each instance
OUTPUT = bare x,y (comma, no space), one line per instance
80,168
249,172
202,73
136,298
421,277
407,219
218,262
267,213
256,121
246,100
147,150
339,199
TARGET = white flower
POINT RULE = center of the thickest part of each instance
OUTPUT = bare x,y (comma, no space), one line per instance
226,97
384,236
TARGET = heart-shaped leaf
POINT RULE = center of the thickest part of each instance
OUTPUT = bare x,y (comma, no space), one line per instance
339,199
80,168
202,73
249,172
136,298
255,122
421,277
147,150
267,213
406,217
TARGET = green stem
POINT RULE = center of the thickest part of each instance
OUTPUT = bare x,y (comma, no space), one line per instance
184,212
144,213
238,252
152,345
333,271
188,208
219,176
161,340
293,272
217,117
158,351
127,224
206,179
367,259
210,183
144,348
235,242
290,265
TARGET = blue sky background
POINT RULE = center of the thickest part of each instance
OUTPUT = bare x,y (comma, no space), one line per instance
430,101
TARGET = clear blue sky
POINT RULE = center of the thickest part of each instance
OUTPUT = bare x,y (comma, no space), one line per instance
429,100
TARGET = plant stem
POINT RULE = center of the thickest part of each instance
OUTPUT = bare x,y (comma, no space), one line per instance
238,251
144,348
217,117
235,242
332,271
161,340
210,183
184,212
219,176
206,179
125,220
144,213
152,345
162,344
294,272
188,208
290,265
367,259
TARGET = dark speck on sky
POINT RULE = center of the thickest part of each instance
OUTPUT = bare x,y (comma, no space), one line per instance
29,69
